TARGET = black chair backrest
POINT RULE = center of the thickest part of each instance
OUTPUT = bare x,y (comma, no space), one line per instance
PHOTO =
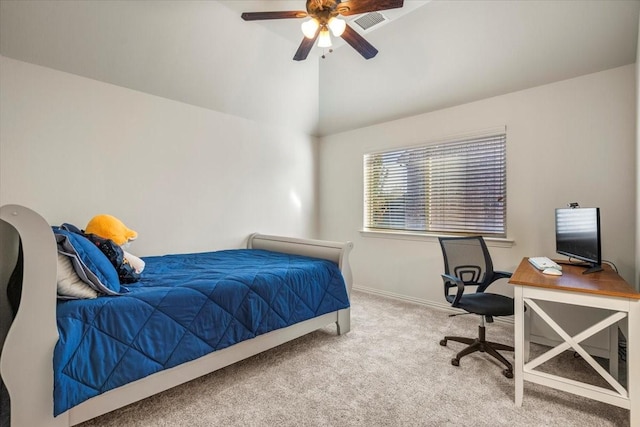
468,259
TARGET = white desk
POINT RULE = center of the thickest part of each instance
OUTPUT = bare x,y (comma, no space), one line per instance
605,290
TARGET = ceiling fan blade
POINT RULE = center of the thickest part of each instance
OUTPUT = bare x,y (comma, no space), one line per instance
257,16
358,42
305,48
354,7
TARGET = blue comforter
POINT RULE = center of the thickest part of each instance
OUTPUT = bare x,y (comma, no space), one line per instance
185,306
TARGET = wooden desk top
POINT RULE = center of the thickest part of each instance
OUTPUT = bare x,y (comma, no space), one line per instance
606,282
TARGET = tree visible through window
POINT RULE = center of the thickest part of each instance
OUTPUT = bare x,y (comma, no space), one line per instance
453,187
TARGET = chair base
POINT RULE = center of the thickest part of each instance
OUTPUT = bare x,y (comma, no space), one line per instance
482,345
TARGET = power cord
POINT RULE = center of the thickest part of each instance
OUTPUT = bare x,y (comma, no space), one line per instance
622,348
611,264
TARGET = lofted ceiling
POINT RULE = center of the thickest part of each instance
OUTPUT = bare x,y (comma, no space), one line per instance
432,54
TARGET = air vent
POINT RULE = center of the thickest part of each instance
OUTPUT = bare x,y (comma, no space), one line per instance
370,20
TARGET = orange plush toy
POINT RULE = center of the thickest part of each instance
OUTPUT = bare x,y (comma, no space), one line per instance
110,227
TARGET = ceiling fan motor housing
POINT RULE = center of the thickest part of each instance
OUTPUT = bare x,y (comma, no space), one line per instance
323,10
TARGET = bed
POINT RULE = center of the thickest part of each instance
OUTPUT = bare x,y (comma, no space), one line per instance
264,295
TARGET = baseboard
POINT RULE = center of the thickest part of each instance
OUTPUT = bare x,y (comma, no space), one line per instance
537,339
441,306
550,342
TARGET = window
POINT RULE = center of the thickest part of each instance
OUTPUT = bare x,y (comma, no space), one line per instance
451,187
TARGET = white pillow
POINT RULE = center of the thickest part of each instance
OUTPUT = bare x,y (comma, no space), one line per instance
70,286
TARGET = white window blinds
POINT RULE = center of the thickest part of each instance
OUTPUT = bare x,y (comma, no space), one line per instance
452,187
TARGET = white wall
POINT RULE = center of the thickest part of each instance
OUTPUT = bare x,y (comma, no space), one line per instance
186,178
198,52
568,141
637,277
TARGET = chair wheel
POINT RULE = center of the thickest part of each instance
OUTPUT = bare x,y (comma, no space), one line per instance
508,373
455,362
443,342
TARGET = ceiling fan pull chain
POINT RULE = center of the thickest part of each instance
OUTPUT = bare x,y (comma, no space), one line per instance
323,54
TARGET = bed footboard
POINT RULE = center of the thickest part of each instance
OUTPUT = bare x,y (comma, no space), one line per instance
337,252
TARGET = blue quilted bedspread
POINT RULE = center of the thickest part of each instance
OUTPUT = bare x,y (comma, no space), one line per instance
185,306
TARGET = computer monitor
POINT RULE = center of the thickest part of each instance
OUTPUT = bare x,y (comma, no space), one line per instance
578,236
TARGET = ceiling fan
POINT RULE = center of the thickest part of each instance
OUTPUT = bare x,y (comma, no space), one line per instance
324,17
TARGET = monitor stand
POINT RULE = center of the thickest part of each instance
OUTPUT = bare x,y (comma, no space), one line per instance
594,268
590,268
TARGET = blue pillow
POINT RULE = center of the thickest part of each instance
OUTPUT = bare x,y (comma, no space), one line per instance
88,261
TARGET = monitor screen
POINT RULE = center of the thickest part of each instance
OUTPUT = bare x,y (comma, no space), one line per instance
578,234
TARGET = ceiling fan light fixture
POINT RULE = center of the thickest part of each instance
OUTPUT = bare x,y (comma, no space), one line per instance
337,26
324,40
309,28
323,22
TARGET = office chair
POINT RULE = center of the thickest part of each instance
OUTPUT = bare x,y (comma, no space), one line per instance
467,263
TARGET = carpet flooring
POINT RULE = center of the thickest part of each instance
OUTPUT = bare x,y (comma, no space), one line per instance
388,371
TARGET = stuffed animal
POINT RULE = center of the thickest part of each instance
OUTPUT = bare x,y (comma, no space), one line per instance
111,228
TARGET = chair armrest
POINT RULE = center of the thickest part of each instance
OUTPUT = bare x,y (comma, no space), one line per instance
501,275
447,278
497,275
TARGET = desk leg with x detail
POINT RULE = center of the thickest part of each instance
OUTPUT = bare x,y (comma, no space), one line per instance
618,396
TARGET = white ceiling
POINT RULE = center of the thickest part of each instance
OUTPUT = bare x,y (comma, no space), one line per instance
432,54
448,53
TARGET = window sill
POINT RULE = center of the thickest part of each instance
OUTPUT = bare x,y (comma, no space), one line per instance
500,242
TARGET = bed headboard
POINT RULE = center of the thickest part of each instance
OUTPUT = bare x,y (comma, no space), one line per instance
337,252
38,296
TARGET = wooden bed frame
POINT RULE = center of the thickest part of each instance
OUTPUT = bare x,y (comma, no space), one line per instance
26,364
